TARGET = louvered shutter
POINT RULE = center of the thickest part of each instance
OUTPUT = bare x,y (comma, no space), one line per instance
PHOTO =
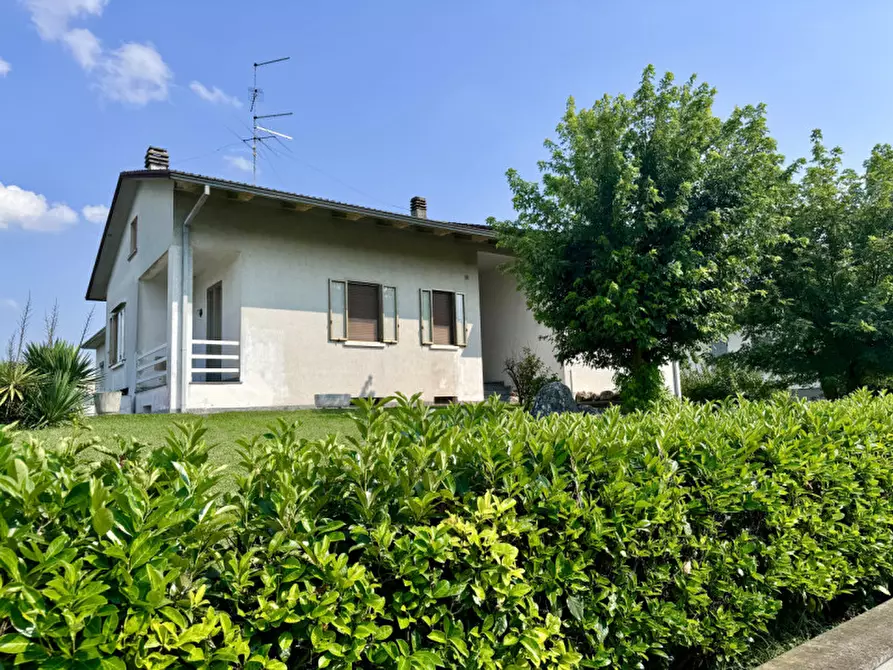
460,319
337,305
363,312
442,317
389,314
425,315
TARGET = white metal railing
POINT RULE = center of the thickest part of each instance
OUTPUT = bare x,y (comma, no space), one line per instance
215,361
151,368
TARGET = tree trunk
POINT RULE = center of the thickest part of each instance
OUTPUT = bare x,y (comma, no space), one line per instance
853,380
830,387
642,384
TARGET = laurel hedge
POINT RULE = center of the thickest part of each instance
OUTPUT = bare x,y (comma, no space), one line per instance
468,537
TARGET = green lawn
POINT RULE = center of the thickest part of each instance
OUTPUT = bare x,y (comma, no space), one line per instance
223,429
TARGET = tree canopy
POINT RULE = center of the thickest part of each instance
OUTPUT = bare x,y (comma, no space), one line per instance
821,306
637,245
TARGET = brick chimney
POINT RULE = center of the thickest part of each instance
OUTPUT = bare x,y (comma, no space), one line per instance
157,159
418,206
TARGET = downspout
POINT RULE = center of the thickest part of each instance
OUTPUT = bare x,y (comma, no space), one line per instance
186,300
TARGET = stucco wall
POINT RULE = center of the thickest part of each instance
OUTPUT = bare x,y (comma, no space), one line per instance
153,205
508,326
152,310
276,266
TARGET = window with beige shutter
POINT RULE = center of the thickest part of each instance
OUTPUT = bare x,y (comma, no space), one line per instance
362,312
442,317
116,336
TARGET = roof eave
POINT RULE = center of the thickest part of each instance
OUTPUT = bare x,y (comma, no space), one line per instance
258,191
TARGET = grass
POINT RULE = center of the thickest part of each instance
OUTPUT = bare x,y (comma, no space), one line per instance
223,428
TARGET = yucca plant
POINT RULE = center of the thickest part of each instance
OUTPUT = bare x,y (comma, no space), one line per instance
16,383
55,399
63,378
62,357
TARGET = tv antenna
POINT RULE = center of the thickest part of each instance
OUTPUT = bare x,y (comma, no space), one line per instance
268,134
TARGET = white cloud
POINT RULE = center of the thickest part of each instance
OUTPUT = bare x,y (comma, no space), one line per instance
9,302
51,17
214,95
95,213
85,47
31,211
5,67
239,162
135,74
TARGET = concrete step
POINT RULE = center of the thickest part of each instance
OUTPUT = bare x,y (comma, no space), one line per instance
498,389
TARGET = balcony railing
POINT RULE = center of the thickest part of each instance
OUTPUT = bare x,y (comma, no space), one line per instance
151,368
214,361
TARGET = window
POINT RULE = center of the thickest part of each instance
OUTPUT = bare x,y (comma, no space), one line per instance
133,235
442,317
362,312
116,336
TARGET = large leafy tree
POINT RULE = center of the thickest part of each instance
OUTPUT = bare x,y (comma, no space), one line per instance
823,310
636,247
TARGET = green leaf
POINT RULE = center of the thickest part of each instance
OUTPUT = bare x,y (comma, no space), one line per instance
442,589
575,605
103,520
10,562
182,471
13,643
284,642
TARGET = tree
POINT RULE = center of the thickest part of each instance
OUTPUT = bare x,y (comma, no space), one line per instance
636,247
822,308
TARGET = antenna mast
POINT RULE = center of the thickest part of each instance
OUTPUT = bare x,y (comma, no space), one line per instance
256,95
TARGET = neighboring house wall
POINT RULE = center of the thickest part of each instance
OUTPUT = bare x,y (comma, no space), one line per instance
153,205
276,266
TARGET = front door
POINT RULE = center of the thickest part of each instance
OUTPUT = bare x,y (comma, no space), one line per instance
214,329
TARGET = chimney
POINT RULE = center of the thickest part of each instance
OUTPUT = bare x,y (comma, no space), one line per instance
157,159
418,207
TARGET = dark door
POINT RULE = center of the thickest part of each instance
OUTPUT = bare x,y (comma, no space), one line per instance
214,329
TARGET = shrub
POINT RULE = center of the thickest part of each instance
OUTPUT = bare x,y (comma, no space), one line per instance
641,391
725,377
49,385
468,537
528,374
17,381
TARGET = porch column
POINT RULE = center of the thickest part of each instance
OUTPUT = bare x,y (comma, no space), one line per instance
174,292
186,321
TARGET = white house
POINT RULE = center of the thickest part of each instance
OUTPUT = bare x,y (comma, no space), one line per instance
223,295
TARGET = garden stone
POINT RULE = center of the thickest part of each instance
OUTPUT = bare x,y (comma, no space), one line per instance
553,398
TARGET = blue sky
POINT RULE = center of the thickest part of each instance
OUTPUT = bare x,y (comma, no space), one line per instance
391,99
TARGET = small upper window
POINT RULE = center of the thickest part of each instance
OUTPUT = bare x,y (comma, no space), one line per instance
133,236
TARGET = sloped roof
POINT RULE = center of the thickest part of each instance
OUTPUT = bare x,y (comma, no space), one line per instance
126,190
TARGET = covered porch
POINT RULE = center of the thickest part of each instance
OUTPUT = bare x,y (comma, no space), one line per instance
211,350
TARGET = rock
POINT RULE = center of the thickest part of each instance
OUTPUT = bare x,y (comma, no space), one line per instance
553,398
608,395
589,409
